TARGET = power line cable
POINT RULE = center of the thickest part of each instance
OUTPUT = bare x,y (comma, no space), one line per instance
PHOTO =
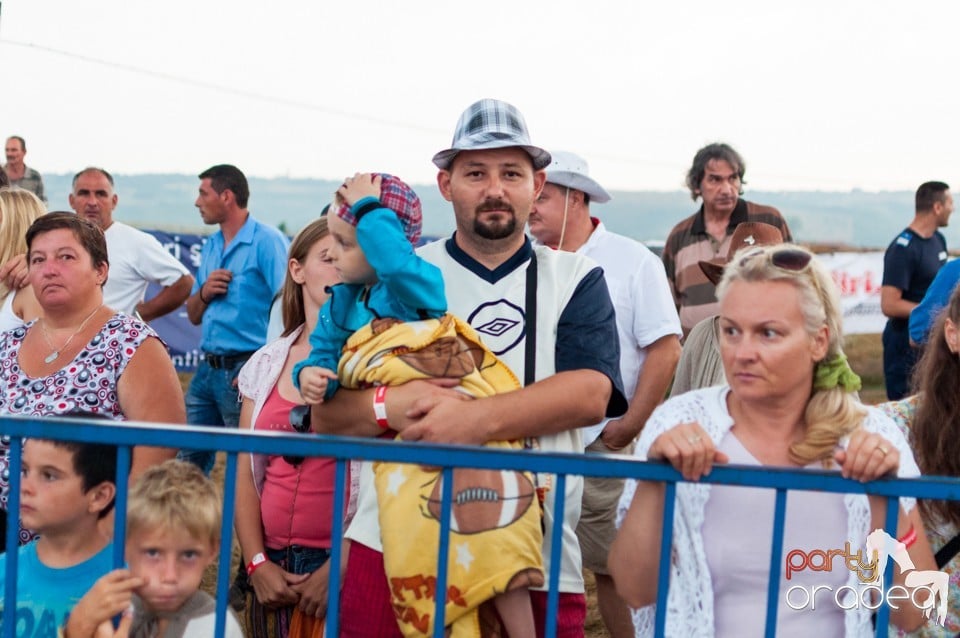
252,95
321,108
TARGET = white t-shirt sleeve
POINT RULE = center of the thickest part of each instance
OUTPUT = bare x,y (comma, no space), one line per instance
155,263
656,316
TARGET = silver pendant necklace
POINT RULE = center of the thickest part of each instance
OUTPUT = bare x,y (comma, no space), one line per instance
50,358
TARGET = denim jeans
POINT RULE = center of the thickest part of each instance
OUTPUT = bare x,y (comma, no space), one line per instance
214,400
295,559
275,621
298,559
899,359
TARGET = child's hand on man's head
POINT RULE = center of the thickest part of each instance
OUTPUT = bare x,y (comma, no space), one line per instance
359,186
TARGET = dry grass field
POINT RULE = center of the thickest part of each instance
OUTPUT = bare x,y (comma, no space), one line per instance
865,355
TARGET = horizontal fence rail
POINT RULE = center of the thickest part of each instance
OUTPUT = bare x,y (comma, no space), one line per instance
446,457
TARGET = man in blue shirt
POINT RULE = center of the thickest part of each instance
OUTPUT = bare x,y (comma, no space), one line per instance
242,266
938,294
909,265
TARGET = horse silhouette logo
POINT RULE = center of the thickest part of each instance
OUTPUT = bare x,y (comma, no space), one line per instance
884,546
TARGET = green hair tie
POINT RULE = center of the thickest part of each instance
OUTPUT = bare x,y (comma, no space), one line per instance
833,372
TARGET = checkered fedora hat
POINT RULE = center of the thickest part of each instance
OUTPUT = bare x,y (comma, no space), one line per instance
398,197
491,124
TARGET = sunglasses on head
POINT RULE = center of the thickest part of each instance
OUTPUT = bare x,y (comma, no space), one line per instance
300,422
789,259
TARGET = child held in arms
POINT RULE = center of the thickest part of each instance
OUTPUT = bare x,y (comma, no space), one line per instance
387,324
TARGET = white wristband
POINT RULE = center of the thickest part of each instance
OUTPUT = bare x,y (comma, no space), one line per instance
380,407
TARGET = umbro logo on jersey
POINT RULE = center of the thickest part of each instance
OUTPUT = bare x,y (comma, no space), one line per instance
496,327
500,323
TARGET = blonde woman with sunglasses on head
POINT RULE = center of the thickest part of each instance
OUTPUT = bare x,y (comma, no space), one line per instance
789,402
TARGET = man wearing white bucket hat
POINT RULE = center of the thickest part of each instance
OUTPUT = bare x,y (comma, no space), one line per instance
649,332
560,341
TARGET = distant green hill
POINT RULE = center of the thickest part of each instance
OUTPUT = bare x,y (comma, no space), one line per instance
856,218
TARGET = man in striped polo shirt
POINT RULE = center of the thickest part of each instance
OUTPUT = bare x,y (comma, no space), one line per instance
716,176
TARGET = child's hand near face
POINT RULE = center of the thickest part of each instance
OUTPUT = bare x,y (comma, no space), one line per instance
359,186
109,596
313,383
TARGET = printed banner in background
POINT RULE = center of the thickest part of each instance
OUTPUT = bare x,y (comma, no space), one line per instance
857,275
181,336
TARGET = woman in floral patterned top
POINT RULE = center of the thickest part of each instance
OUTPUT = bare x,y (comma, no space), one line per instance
931,422
81,356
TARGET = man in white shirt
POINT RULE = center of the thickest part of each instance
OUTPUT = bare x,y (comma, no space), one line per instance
649,331
137,259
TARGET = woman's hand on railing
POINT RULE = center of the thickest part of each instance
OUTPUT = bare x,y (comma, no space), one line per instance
868,456
689,449
273,585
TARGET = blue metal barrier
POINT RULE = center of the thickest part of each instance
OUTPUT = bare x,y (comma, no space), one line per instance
447,457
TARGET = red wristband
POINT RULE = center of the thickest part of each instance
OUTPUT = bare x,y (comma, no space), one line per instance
909,538
380,406
255,562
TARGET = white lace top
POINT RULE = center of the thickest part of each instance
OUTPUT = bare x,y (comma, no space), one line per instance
690,599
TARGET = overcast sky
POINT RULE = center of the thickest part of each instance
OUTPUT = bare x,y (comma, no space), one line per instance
816,95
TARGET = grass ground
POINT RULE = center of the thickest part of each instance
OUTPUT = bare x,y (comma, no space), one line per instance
865,355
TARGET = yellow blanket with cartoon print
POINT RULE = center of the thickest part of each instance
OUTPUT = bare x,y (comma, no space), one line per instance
496,537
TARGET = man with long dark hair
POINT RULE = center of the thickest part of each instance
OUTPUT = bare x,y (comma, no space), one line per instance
716,177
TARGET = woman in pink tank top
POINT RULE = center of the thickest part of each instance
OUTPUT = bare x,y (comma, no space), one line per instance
284,503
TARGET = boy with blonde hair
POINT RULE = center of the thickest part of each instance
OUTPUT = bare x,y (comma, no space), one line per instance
173,535
65,489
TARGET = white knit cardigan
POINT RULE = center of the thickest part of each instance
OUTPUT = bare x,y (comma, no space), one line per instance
690,597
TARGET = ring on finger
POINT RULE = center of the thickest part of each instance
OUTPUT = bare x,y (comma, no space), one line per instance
694,438
883,450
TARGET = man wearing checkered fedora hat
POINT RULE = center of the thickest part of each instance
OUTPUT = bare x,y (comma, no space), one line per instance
649,332
492,174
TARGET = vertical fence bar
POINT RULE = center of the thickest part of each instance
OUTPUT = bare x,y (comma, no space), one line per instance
124,453
440,590
776,556
336,542
556,560
890,525
13,537
666,546
226,543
